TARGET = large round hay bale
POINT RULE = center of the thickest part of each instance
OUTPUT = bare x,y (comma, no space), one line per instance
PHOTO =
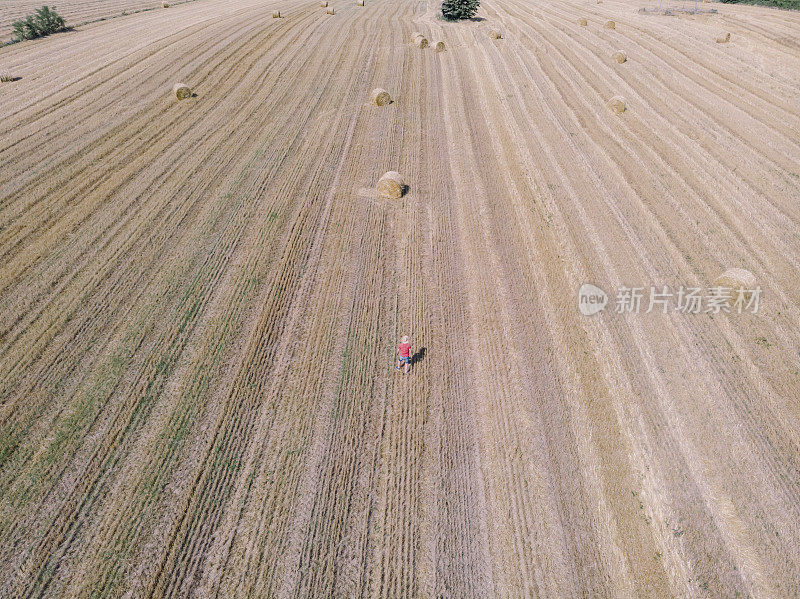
381,97
617,104
495,35
724,39
737,279
182,91
439,47
360,3
276,14
582,22
6,78
323,4
610,25
330,11
391,185
619,56
165,5
421,41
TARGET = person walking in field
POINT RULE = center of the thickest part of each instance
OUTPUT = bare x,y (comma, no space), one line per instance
403,354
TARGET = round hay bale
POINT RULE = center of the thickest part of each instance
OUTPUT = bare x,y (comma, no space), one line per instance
724,39
439,47
421,41
495,35
619,56
617,104
6,78
360,3
323,4
330,11
737,279
182,91
582,22
610,25
391,185
165,5
381,97
276,14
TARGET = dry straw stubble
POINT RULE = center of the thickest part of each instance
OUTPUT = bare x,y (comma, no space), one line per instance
182,91
381,97
617,104
391,185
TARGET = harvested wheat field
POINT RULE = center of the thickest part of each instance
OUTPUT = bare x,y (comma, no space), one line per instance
201,300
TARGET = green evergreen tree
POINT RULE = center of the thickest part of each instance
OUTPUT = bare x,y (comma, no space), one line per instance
453,10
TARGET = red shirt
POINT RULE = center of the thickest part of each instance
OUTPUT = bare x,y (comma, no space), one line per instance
405,350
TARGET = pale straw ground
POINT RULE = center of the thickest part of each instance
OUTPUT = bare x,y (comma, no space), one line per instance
200,304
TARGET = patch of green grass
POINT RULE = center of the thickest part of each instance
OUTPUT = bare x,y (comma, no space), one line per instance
763,341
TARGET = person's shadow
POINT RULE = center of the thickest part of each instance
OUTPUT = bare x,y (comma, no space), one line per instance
418,356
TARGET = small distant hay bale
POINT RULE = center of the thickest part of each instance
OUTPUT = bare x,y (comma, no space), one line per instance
421,41
330,11
495,35
439,47
182,91
6,78
276,14
165,5
582,22
737,279
617,104
323,4
619,56
610,25
391,185
381,97
360,3
724,39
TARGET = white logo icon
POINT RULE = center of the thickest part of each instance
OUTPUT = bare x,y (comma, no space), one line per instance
591,299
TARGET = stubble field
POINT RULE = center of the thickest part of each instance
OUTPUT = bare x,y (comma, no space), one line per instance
200,303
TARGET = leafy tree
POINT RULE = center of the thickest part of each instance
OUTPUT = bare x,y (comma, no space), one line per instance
786,4
453,10
44,22
49,20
